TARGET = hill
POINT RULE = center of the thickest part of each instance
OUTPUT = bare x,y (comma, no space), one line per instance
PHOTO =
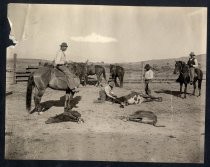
161,67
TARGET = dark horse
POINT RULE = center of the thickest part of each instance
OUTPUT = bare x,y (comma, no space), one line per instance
184,77
96,70
44,77
117,72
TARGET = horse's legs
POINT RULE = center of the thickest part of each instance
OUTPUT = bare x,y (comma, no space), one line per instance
115,81
121,81
98,79
68,97
69,100
194,87
185,90
37,99
180,89
86,80
199,86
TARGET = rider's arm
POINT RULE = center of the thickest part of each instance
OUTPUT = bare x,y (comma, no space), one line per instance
196,63
55,59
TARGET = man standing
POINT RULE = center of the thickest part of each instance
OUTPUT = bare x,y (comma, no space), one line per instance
59,62
148,76
193,64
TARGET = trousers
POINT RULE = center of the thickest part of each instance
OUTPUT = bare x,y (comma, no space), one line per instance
147,89
72,80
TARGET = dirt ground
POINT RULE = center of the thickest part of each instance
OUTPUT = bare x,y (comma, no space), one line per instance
103,136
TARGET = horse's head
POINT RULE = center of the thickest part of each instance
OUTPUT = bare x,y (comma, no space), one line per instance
178,67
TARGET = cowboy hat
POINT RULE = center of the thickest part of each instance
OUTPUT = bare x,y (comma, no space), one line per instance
192,54
64,44
147,67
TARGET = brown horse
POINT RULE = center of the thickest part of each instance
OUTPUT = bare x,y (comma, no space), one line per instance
184,77
96,70
117,72
45,77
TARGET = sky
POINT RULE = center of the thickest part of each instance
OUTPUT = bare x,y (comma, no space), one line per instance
110,34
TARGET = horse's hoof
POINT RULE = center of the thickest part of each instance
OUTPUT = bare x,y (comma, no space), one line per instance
81,121
40,113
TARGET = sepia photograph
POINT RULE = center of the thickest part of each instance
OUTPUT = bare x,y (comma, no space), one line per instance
105,83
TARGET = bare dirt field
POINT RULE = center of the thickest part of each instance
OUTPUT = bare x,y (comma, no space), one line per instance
103,136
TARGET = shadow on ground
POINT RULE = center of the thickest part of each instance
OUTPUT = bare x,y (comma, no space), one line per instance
59,103
170,92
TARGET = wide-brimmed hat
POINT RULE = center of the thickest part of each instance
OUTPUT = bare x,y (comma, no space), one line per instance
64,44
147,67
192,54
111,84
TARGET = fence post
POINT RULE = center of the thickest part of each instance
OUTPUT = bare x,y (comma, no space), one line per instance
14,68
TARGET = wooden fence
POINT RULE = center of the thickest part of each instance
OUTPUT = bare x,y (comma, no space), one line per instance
21,75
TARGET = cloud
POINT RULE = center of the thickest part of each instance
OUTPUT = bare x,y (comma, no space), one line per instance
94,38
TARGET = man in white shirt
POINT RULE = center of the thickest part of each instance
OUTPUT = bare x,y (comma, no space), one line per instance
59,62
148,76
193,64
107,94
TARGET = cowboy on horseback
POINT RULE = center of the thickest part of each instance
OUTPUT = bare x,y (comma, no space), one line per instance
60,63
193,64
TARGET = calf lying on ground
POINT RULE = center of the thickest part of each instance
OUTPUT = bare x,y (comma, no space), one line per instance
72,116
131,98
137,98
146,117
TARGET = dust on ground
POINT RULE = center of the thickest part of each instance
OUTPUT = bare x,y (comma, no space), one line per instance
103,136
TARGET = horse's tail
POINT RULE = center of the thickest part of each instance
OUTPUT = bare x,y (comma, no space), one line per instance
104,73
30,87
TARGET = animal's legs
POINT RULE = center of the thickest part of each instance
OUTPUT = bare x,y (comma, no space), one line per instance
68,97
180,92
98,79
199,86
37,99
185,90
194,87
115,81
86,80
121,81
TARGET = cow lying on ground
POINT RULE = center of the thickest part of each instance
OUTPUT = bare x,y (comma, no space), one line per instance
146,117
66,116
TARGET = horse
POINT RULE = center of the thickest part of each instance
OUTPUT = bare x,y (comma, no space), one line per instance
184,77
80,71
95,70
117,72
44,77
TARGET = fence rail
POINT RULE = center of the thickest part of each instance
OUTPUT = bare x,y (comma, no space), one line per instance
22,74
